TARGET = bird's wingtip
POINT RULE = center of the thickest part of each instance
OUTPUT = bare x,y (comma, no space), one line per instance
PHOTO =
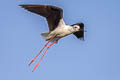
22,5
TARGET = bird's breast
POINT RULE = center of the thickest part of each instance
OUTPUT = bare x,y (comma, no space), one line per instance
62,31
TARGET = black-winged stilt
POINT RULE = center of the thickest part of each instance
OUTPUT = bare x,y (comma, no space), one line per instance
56,24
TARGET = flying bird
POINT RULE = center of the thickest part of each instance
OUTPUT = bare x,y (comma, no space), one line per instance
57,27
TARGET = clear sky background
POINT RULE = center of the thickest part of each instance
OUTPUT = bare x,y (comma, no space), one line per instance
96,58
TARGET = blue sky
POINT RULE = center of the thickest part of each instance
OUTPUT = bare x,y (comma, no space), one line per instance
96,58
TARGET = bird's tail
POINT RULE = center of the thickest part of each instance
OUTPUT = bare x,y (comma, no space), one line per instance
45,35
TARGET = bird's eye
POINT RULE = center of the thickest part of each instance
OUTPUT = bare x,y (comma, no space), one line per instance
75,27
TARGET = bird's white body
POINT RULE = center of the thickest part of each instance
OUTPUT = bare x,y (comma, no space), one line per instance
61,30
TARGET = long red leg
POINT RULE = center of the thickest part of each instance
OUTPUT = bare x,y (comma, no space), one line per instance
43,55
41,50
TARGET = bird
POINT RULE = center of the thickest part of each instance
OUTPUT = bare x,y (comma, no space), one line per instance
57,27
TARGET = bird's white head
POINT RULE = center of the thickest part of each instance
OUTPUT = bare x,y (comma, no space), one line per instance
76,28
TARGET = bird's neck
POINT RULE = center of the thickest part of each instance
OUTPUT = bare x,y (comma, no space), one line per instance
71,29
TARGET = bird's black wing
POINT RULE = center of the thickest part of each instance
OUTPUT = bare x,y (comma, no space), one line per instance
80,34
53,14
